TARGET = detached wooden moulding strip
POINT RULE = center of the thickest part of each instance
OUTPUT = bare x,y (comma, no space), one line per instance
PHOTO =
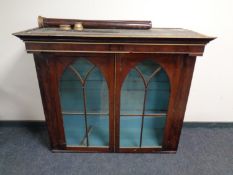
95,24
115,86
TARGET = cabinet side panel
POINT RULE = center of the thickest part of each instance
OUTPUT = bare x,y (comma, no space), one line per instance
47,83
175,122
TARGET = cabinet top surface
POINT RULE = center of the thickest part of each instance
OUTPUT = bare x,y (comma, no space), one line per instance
115,33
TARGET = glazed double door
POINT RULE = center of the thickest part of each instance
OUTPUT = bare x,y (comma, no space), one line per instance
114,102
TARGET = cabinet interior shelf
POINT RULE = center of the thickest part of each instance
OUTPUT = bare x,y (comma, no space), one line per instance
123,115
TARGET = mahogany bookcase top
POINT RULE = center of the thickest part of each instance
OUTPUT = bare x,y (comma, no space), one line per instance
153,34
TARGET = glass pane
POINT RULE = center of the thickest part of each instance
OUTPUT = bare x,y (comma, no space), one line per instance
97,93
153,131
132,94
99,132
74,126
84,103
144,103
71,93
158,92
130,131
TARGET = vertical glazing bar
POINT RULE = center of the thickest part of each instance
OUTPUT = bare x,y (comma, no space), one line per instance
143,114
144,103
84,103
85,113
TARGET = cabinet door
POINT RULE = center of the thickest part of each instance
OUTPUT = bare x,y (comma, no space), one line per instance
144,90
85,89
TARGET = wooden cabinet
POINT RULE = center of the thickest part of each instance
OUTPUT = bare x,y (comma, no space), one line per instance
114,90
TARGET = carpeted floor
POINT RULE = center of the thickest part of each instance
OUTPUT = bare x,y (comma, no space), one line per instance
207,151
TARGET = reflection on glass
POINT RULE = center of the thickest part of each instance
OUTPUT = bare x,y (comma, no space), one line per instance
144,102
84,103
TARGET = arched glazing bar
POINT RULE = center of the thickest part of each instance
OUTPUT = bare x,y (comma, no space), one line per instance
83,83
84,103
144,102
146,82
